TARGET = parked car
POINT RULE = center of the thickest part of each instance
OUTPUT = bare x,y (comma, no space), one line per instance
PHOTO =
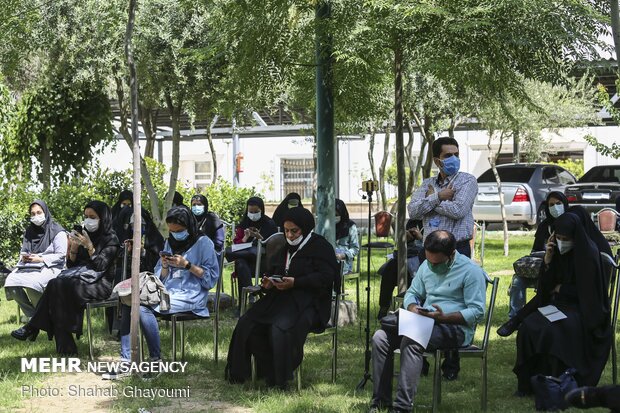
597,189
524,187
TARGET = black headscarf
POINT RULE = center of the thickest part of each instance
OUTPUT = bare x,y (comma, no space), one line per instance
545,228
153,240
265,225
557,195
38,238
342,228
123,196
105,234
177,199
593,232
303,219
183,216
278,214
208,223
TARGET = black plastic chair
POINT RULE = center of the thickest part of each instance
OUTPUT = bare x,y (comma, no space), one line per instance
614,299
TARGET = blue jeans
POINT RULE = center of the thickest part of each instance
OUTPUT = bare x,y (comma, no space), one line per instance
517,293
150,329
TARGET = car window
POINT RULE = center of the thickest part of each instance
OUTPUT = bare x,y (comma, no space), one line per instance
520,174
565,177
550,175
602,174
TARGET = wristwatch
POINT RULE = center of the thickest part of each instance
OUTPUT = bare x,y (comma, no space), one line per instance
188,266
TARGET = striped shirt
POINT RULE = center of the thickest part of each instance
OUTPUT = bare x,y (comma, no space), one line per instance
455,216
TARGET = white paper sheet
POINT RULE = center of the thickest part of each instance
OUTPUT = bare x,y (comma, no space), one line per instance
417,327
552,313
239,247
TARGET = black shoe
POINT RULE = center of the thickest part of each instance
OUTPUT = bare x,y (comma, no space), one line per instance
520,393
584,397
508,327
25,332
451,376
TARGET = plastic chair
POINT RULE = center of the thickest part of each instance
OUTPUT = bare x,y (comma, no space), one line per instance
383,222
606,219
471,351
614,298
355,275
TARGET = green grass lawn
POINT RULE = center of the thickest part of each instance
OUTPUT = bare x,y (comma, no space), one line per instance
206,379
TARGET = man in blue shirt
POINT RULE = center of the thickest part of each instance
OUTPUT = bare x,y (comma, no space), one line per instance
449,288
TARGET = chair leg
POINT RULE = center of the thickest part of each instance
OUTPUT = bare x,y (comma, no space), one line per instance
437,381
182,340
174,338
334,355
253,370
216,339
614,362
19,314
89,332
298,374
484,383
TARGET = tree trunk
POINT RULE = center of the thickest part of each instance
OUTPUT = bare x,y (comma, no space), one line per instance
137,190
516,150
411,176
493,162
123,130
615,26
45,177
315,179
213,155
430,138
175,119
386,154
401,235
371,154
148,118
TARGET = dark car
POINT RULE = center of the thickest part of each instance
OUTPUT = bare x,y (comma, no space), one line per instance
597,189
524,188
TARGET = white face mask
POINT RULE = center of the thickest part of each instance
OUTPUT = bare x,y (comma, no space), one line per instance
254,216
296,241
91,224
38,220
565,246
556,210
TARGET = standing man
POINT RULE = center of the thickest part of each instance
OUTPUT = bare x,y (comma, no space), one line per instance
450,289
445,202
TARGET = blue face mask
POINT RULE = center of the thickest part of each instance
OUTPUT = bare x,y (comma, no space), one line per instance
198,209
181,235
451,165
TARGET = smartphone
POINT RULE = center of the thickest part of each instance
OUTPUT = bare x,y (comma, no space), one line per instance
276,278
165,254
426,310
24,254
77,228
253,229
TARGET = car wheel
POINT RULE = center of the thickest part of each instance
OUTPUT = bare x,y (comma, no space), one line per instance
540,215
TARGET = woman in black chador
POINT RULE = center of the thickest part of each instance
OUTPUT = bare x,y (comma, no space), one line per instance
573,280
274,330
61,308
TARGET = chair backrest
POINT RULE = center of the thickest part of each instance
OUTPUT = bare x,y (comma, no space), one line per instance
265,251
490,310
606,219
336,296
383,223
614,288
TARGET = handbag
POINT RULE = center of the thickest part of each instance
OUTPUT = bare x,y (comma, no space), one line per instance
528,266
389,323
82,272
549,391
152,291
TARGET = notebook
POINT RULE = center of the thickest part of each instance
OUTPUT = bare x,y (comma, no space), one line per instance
552,313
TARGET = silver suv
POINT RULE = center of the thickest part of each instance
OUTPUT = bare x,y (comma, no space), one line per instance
524,187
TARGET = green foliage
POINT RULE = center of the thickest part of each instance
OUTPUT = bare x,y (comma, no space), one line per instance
574,166
612,151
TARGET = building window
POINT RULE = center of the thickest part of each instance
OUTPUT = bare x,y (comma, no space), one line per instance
203,173
297,177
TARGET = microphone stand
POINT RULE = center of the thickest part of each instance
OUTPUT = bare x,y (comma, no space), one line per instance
367,354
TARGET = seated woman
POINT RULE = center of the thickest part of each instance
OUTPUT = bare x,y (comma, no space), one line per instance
573,280
209,223
555,205
125,199
43,255
93,254
347,241
274,329
255,225
389,270
188,268
292,200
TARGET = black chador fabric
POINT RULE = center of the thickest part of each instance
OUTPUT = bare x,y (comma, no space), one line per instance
208,223
342,228
153,240
276,327
61,308
278,214
182,215
38,238
545,228
583,339
123,196
265,225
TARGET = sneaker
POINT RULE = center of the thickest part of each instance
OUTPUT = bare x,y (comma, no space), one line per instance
115,374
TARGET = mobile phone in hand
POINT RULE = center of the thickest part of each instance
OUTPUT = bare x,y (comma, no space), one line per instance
426,309
165,254
276,278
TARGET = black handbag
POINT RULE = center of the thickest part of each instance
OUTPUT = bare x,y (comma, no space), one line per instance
528,266
549,391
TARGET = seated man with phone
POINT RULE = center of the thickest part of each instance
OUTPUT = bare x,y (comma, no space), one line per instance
450,289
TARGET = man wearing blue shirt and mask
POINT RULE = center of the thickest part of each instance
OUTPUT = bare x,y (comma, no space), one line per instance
449,288
445,202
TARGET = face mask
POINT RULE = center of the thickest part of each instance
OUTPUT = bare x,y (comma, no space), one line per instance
254,216
296,241
556,210
198,209
181,235
565,246
38,220
451,165
442,268
338,220
293,203
91,224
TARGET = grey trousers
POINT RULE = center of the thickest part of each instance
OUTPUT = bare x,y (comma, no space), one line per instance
26,298
444,336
